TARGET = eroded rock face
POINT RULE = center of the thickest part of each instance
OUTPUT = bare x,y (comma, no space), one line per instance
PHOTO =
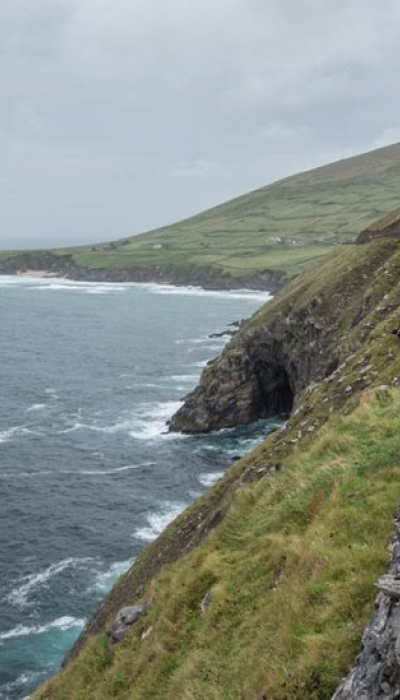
259,373
376,673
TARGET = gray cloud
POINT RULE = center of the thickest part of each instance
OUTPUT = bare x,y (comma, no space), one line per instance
120,115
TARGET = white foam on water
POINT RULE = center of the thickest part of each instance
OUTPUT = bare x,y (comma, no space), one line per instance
6,435
36,407
55,284
84,472
200,292
209,478
106,579
30,583
16,280
150,421
62,283
62,623
158,521
184,377
117,470
147,422
52,392
22,680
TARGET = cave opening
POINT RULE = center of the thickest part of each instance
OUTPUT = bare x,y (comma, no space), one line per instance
277,393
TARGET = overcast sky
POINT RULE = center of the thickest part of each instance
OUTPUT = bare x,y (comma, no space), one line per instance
117,116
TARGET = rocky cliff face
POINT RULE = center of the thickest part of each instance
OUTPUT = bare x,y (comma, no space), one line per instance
259,374
293,341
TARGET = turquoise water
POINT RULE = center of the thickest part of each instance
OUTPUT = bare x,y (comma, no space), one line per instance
89,375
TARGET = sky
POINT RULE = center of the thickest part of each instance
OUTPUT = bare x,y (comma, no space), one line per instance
118,116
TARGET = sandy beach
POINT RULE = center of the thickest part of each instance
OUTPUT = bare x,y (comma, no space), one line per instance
36,273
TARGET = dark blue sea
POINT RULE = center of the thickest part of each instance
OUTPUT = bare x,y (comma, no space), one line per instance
89,375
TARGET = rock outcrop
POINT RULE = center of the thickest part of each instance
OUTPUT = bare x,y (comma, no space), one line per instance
292,342
376,674
257,375
388,226
125,619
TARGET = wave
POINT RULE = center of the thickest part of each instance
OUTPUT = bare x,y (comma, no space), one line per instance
209,478
6,435
21,682
51,392
61,283
184,377
55,284
75,472
106,579
201,364
19,595
151,421
200,292
147,422
117,470
36,407
62,623
157,522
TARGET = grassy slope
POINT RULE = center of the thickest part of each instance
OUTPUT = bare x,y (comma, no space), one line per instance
291,568
317,209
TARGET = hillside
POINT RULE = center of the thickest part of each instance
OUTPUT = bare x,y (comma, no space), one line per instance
261,239
263,587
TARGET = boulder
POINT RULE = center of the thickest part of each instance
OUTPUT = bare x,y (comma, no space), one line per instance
124,619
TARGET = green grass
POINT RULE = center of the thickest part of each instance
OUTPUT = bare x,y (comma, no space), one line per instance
304,520
251,234
292,565
291,572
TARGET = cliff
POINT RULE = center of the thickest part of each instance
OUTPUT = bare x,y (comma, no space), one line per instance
264,586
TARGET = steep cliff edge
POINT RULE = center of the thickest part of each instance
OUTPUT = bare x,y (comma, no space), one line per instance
263,587
294,340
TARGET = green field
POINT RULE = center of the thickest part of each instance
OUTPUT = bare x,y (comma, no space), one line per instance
283,227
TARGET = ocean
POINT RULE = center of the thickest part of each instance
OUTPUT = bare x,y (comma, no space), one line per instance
89,474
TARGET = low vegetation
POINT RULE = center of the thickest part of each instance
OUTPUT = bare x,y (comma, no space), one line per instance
269,601
291,573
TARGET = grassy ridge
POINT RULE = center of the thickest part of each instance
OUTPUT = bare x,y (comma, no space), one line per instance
284,227
291,574
290,569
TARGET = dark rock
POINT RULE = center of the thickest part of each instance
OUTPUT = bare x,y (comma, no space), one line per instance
259,372
223,334
124,619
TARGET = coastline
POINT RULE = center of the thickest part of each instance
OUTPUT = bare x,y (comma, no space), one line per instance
263,295
51,265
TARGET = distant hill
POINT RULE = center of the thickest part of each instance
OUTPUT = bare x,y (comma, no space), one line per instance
279,229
